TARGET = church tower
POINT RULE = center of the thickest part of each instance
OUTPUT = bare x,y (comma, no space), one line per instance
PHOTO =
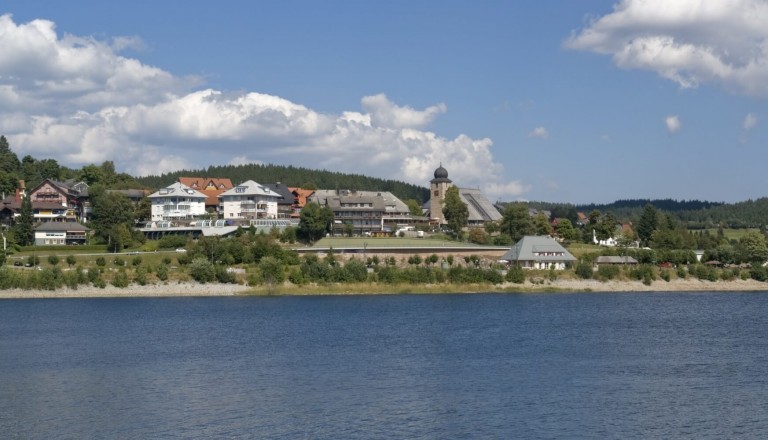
437,188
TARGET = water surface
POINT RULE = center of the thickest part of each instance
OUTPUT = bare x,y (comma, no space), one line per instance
534,366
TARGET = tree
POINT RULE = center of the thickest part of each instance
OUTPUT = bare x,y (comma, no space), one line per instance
143,210
565,230
112,217
455,211
9,162
648,223
516,221
541,224
314,222
25,232
753,247
414,207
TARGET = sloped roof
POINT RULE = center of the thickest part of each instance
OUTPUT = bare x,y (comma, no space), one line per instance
250,188
480,208
61,226
302,195
615,259
283,191
537,248
389,201
207,183
178,189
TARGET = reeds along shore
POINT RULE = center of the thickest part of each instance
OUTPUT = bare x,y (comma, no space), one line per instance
186,289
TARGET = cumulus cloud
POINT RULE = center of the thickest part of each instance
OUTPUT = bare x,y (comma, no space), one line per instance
539,132
79,101
673,124
385,113
690,42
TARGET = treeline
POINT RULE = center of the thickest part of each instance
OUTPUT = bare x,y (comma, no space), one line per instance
692,214
294,176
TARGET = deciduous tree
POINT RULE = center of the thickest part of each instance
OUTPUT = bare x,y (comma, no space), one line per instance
455,211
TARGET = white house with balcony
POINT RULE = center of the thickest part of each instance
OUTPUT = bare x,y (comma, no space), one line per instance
248,201
177,202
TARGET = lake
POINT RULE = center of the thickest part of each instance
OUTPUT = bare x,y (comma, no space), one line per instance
529,366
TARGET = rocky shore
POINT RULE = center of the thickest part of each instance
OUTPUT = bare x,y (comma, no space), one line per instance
191,289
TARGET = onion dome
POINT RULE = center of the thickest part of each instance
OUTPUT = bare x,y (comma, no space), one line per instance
441,173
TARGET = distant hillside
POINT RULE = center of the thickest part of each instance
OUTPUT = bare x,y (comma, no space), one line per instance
294,176
692,213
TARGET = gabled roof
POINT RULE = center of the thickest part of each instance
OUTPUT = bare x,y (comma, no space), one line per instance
207,183
537,248
250,188
301,195
177,189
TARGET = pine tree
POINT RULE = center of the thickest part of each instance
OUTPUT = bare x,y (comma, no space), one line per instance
25,232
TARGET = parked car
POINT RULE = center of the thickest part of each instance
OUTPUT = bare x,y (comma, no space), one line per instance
180,250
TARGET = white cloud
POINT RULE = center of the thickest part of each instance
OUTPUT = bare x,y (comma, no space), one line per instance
77,100
242,160
690,42
385,113
749,122
539,132
673,124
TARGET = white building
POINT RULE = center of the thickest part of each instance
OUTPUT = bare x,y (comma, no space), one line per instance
249,200
177,202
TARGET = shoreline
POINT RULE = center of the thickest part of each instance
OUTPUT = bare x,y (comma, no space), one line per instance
192,289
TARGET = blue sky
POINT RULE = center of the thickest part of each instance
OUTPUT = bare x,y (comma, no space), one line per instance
587,101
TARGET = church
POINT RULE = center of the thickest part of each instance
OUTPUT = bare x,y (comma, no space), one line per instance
481,210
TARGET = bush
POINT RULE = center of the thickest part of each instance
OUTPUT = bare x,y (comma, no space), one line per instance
607,272
101,262
297,277
140,277
225,276
202,270
53,260
681,272
583,270
136,261
162,272
516,275
665,275
33,260
71,260
119,262
272,270
759,273
120,279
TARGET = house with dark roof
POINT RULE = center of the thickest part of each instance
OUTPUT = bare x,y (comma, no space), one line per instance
538,252
285,202
365,212
60,233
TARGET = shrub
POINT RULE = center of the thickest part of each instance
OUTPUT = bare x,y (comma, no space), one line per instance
681,272
272,270
101,262
162,272
140,277
665,275
53,260
516,275
583,270
759,273
119,262
136,261
607,272
202,270
297,277
225,276
120,279
33,260
71,260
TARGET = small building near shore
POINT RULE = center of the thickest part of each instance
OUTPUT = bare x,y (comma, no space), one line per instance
538,252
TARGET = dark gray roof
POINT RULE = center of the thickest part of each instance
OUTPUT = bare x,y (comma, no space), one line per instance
61,226
536,248
283,191
614,259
